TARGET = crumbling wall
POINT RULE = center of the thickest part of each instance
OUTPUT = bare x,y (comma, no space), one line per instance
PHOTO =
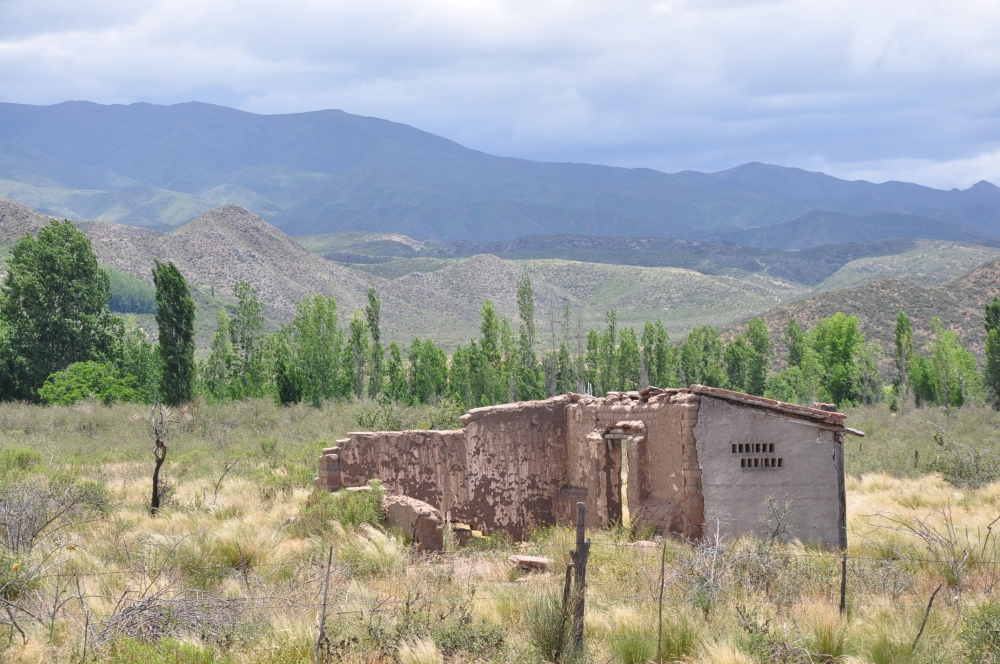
664,477
520,466
749,455
501,472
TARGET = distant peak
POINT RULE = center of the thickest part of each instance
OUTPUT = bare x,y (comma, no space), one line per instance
983,185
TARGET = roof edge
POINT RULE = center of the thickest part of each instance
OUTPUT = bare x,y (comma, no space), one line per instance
771,404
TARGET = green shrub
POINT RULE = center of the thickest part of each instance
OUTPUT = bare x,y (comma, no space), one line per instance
16,460
351,509
85,380
547,626
167,651
981,633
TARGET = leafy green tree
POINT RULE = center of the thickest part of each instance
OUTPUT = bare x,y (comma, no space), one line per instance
460,383
358,353
289,381
530,381
798,383
395,386
54,305
428,371
246,333
89,380
991,373
702,358
953,367
216,371
837,341
565,371
759,365
140,359
629,360
737,360
795,337
373,314
659,356
317,344
903,333
130,295
175,318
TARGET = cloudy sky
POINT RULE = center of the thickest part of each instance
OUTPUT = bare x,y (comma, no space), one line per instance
881,90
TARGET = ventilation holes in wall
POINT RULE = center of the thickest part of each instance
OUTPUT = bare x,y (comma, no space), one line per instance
757,462
761,462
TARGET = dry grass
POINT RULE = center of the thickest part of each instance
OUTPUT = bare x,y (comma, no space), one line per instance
223,576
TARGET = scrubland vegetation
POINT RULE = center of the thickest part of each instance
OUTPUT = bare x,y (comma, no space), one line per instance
228,562
231,568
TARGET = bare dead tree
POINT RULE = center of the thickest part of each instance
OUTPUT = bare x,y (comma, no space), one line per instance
160,420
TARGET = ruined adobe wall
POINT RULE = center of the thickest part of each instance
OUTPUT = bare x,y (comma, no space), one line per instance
664,485
426,465
737,484
516,465
502,472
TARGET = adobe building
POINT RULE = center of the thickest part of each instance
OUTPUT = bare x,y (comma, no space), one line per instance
688,458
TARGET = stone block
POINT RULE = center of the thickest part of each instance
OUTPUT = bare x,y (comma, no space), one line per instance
418,520
530,563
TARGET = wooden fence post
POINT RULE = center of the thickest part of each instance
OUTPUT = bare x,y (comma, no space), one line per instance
580,556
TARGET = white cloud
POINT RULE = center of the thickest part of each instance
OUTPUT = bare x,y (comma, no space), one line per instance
893,89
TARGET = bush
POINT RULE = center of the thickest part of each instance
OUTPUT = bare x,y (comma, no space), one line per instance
18,460
633,640
548,626
85,380
963,466
351,509
167,651
981,633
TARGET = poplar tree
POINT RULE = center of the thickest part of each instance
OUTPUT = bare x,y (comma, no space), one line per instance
991,374
373,313
317,344
529,383
358,346
246,334
216,370
175,318
702,357
904,355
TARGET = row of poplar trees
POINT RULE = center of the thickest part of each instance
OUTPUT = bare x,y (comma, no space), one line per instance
59,343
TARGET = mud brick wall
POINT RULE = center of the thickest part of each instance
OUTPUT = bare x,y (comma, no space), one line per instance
502,472
516,467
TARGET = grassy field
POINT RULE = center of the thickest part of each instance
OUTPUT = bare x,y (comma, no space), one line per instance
231,570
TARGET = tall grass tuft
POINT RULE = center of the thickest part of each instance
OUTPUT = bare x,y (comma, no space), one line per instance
547,626
825,638
370,553
724,652
681,636
633,640
419,652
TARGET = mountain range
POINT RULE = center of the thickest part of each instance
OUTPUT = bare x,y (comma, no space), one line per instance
329,171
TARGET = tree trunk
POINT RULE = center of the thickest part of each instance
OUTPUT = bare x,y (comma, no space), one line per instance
160,453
